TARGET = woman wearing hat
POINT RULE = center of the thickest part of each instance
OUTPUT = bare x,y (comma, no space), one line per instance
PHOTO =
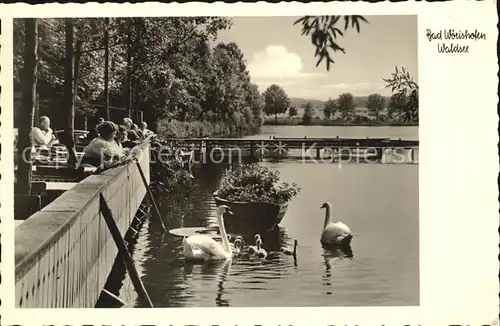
104,150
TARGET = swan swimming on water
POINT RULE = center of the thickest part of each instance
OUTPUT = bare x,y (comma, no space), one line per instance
204,247
334,233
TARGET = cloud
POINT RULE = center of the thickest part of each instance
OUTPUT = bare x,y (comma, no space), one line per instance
357,86
276,63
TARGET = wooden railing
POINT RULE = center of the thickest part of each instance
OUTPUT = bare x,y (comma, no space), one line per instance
65,252
296,143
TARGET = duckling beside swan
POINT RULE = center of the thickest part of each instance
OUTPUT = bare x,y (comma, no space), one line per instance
237,245
253,249
261,252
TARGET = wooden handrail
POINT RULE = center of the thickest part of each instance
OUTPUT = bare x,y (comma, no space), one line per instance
62,253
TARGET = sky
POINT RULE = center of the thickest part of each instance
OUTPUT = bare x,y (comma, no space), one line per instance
277,53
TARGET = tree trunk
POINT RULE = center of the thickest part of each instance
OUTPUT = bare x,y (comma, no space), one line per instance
128,92
134,82
27,110
76,66
276,117
106,70
136,99
68,97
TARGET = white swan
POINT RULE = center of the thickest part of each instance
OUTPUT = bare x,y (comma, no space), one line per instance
334,233
204,247
261,252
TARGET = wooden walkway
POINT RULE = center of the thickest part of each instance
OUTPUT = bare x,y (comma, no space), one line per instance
297,143
65,252
285,147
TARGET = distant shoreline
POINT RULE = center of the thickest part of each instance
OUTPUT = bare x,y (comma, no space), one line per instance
336,123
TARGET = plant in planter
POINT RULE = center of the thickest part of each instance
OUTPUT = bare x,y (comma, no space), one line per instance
255,183
256,197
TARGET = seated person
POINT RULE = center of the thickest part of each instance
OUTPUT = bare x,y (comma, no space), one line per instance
43,135
137,131
122,139
104,150
131,135
145,131
93,133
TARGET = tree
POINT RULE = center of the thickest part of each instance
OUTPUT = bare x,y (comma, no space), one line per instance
165,67
275,101
375,103
406,89
292,111
330,108
346,104
324,31
255,101
396,105
69,99
28,96
106,69
308,114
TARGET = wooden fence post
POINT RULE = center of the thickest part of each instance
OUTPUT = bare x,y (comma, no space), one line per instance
122,250
150,195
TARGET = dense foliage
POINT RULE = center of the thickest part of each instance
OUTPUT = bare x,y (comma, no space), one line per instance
375,103
329,108
307,117
405,101
275,100
346,104
255,183
168,175
164,67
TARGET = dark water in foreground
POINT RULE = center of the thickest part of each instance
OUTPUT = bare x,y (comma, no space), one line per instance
378,201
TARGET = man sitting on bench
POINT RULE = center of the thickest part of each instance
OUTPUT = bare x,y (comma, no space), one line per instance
43,135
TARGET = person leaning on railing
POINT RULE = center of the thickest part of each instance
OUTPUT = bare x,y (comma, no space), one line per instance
122,139
145,131
104,150
131,135
138,131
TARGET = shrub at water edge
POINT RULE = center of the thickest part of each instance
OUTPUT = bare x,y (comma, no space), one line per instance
255,183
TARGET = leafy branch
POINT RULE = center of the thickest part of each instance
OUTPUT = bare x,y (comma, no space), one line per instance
406,90
324,32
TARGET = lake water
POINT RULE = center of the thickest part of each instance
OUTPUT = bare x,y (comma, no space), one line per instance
378,201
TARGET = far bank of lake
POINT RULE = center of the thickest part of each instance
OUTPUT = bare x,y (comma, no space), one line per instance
403,132
338,122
